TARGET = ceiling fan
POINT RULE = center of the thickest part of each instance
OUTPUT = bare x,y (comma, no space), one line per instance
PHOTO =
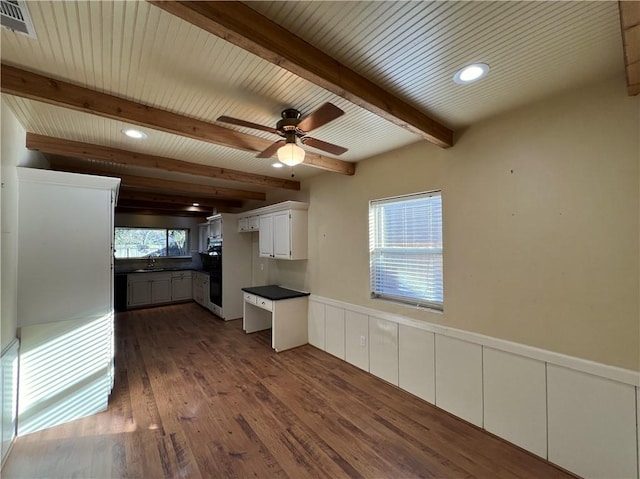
292,127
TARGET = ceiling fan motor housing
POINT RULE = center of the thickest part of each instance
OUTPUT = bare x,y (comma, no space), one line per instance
289,123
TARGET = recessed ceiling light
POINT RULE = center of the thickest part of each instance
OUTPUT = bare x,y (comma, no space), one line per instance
196,204
132,133
277,165
471,73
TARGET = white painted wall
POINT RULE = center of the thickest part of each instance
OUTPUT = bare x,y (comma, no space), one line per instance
541,226
12,153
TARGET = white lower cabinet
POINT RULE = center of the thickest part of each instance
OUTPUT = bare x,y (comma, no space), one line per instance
416,362
459,378
383,349
201,288
515,399
161,289
316,324
334,331
181,286
144,289
138,291
357,339
592,428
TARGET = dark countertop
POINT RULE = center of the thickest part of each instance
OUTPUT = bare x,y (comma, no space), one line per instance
275,292
160,270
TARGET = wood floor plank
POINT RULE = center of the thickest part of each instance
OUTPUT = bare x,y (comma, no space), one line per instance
195,397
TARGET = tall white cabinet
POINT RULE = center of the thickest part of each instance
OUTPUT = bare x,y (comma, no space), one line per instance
65,296
236,265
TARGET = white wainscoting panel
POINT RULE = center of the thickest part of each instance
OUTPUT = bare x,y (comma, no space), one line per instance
9,395
383,349
357,333
416,362
334,331
592,424
515,399
584,415
316,324
459,378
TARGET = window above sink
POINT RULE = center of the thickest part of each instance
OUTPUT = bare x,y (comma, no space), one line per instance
138,243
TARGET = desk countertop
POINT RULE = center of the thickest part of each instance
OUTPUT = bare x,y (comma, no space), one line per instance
274,292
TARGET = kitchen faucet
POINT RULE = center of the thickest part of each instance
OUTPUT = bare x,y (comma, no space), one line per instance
151,262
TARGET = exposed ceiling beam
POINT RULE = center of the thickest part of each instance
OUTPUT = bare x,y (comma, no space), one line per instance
630,25
178,201
25,84
151,205
157,212
58,146
155,184
237,23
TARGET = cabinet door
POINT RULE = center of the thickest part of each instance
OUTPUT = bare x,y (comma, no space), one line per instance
139,292
281,235
205,292
356,339
253,223
180,288
203,231
266,236
243,224
334,331
198,290
161,290
383,349
215,228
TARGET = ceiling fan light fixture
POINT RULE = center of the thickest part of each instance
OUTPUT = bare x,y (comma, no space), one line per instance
290,154
471,73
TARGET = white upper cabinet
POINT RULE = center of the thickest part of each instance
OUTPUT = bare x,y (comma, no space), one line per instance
253,223
215,226
282,235
283,230
203,233
266,236
248,224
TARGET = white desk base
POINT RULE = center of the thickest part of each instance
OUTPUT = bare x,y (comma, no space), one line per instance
287,319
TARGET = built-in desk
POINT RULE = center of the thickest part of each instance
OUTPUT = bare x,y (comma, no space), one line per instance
281,309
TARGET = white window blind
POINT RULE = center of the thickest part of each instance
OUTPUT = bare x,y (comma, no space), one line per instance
405,248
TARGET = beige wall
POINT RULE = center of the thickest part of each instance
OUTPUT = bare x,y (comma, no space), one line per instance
13,153
541,226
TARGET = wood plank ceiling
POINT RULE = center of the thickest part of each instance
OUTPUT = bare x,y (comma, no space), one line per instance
172,68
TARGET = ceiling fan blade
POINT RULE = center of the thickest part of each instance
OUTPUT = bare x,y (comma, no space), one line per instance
323,145
321,116
248,124
271,150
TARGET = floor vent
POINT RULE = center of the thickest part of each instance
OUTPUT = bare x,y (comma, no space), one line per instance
14,15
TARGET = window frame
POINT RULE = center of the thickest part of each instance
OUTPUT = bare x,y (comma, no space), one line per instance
375,249
167,231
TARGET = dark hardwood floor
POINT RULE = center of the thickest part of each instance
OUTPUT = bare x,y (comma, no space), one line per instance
195,397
